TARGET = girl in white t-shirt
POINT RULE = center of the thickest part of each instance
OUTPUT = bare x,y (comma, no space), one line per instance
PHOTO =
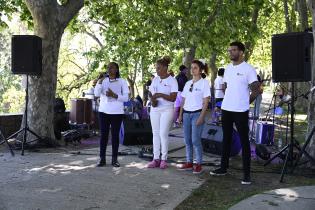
192,113
113,92
163,90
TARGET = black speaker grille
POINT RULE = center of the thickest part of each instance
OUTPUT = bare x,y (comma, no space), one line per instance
26,53
291,57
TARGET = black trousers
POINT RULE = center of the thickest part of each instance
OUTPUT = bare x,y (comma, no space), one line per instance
241,121
108,121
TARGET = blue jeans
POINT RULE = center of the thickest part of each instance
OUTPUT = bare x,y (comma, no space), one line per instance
192,136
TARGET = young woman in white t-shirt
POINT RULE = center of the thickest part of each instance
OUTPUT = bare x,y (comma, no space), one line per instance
192,113
163,90
113,92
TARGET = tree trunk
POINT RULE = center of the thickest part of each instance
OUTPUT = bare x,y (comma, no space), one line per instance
303,14
189,56
287,16
311,105
250,44
50,20
302,87
213,70
131,87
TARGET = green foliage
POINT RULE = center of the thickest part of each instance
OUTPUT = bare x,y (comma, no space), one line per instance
136,33
10,85
8,8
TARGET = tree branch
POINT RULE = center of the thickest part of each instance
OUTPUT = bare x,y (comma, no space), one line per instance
212,16
69,10
94,37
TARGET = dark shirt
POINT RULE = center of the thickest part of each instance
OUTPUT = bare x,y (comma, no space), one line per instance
181,80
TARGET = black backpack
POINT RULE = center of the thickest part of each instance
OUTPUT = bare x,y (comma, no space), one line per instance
59,106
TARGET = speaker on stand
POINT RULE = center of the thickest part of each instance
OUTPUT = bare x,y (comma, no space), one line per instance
291,62
26,55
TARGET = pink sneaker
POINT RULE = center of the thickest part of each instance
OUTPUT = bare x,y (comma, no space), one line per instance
154,164
163,164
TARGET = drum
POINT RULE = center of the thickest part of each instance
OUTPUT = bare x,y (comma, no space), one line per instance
81,111
265,133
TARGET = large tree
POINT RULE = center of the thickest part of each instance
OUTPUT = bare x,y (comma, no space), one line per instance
50,18
311,106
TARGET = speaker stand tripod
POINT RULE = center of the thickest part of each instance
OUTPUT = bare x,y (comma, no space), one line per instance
4,140
293,143
303,150
25,127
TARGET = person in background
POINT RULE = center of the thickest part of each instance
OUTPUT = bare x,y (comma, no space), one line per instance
219,86
163,94
113,92
258,100
146,90
181,80
170,72
196,95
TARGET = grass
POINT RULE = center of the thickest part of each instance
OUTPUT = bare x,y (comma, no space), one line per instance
224,192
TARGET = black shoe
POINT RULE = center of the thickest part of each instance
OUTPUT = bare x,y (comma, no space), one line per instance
115,163
218,172
101,163
246,180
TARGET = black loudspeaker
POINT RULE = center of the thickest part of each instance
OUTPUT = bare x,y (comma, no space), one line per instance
292,57
137,132
26,54
212,137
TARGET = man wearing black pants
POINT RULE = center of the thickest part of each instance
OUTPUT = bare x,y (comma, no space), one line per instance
240,78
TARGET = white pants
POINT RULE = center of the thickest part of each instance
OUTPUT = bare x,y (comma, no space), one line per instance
161,121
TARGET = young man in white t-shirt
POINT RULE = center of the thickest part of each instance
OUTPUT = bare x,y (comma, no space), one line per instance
219,86
242,88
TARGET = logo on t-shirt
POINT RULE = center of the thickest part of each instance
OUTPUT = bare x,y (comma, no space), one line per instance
239,74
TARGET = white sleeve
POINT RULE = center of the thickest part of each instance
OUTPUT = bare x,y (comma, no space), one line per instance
224,78
174,87
151,87
98,90
124,95
206,90
251,76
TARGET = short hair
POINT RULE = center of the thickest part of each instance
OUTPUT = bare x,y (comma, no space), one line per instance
165,61
239,45
182,67
221,71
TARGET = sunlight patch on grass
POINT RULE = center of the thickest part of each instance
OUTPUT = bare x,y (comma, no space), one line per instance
301,117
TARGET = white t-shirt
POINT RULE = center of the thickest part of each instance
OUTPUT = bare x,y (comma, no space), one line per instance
238,78
166,86
111,105
194,99
218,82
